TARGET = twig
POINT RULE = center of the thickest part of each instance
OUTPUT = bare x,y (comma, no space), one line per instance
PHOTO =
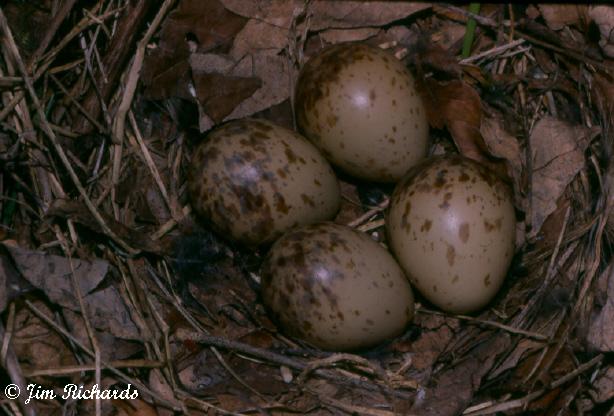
279,359
493,324
51,135
513,404
497,50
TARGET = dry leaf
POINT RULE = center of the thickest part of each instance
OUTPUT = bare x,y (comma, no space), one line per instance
456,385
276,74
36,344
501,144
557,16
603,386
135,407
333,36
166,70
158,384
326,14
603,16
53,275
558,155
457,106
220,94
601,332
435,335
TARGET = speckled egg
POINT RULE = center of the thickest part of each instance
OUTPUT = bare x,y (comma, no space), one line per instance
254,180
335,288
451,225
359,105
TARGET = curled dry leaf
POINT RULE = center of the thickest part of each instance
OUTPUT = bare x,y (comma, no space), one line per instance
502,144
456,385
601,332
348,35
558,155
603,16
456,106
53,275
327,14
604,385
557,16
166,70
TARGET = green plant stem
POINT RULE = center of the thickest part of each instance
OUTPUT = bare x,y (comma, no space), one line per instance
470,30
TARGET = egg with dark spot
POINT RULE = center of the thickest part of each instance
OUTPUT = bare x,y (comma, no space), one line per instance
335,287
359,105
254,180
451,226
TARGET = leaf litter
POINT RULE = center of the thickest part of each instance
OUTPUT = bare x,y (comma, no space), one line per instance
133,278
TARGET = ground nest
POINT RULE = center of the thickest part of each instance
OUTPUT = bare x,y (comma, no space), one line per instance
109,282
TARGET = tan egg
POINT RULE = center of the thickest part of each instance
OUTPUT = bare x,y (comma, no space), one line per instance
335,288
359,105
254,180
451,225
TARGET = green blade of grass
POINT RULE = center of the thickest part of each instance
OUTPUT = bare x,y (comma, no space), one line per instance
470,30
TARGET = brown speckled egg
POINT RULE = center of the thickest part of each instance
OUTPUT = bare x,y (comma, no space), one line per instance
451,225
359,105
255,180
335,288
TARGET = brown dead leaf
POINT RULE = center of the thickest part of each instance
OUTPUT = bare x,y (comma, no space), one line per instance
456,385
276,75
557,16
601,332
348,35
136,407
220,94
502,144
558,155
603,16
326,14
604,385
53,275
166,70
435,335
456,106
160,386
36,344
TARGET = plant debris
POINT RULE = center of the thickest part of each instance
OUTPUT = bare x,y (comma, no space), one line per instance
108,279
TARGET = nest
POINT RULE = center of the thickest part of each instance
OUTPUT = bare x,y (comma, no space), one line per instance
109,283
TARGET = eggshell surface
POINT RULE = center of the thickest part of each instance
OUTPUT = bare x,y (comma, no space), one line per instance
254,180
451,225
335,288
359,105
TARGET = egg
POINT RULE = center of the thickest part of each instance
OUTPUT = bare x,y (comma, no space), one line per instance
451,225
359,105
335,288
254,180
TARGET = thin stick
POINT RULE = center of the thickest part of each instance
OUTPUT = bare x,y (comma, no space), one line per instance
492,52
507,328
51,135
279,359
